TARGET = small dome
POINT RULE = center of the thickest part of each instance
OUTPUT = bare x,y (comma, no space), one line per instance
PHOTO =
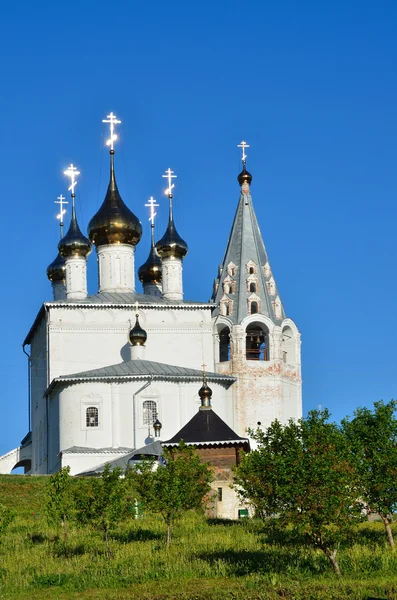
74,243
150,271
137,335
56,270
244,177
205,394
114,223
171,244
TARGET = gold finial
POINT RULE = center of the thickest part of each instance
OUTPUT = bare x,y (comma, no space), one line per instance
136,309
204,374
170,176
112,120
72,172
61,200
243,145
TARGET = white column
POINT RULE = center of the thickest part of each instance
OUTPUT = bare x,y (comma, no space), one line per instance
171,268
137,352
114,392
59,290
116,268
76,278
152,289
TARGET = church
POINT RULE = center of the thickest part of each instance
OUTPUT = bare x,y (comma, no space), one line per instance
112,372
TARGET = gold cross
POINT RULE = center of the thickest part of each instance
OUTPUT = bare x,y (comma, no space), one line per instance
72,172
112,120
243,145
152,205
170,176
61,200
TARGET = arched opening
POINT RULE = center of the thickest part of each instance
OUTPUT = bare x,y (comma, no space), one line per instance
252,286
92,416
257,342
288,346
149,409
251,270
254,308
224,345
22,467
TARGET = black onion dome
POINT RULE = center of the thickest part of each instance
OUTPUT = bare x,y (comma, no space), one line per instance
205,394
74,243
56,270
244,177
137,335
114,223
150,271
171,244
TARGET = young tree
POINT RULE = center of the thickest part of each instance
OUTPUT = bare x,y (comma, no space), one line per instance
102,502
60,499
372,436
179,485
301,473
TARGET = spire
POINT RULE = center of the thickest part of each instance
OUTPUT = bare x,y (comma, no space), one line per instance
150,271
74,243
246,284
171,244
114,223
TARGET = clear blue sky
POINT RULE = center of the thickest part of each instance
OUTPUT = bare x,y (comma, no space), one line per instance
310,85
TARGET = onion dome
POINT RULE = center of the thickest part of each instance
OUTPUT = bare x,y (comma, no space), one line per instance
137,335
150,271
205,394
171,244
56,270
114,223
74,243
244,177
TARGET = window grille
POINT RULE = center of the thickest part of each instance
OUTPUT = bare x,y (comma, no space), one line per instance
92,416
149,412
220,495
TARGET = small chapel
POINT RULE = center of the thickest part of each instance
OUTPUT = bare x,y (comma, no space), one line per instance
116,371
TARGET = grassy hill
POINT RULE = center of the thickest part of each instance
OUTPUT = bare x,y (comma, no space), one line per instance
207,559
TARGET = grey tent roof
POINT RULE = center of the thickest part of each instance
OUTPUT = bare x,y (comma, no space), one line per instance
152,449
130,298
245,244
206,428
142,369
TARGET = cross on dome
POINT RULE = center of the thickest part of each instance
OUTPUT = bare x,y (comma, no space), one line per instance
72,172
112,120
61,200
170,176
152,205
243,145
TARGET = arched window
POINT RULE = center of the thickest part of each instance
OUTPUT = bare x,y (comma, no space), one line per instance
232,287
92,416
254,308
252,286
288,346
257,342
224,345
149,412
251,271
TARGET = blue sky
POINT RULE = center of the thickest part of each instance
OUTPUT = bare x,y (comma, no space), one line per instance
310,85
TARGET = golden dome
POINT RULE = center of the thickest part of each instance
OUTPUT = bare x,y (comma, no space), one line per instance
114,223
171,244
56,270
137,335
150,271
244,177
74,243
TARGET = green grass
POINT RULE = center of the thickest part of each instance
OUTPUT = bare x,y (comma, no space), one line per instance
207,559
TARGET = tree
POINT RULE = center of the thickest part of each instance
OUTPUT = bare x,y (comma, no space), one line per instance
179,485
301,473
102,502
60,499
372,436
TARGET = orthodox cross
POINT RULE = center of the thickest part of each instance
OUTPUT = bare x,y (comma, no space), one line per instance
170,176
72,172
112,120
204,374
61,200
152,205
243,145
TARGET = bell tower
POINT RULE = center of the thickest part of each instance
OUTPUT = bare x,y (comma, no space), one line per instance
254,340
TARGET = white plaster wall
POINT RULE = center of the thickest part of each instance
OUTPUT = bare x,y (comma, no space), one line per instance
76,278
116,268
171,269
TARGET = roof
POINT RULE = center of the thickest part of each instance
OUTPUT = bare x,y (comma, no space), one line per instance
246,244
119,299
152,449
85,450
206,428
142,369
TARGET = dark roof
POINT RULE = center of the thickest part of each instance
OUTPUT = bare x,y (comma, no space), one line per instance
246,244
142,369
153,449
208,429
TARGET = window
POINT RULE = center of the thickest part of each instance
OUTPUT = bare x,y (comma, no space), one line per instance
219,494
254,308
251,271
224,345
92,416
257,342
252,287
149,412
